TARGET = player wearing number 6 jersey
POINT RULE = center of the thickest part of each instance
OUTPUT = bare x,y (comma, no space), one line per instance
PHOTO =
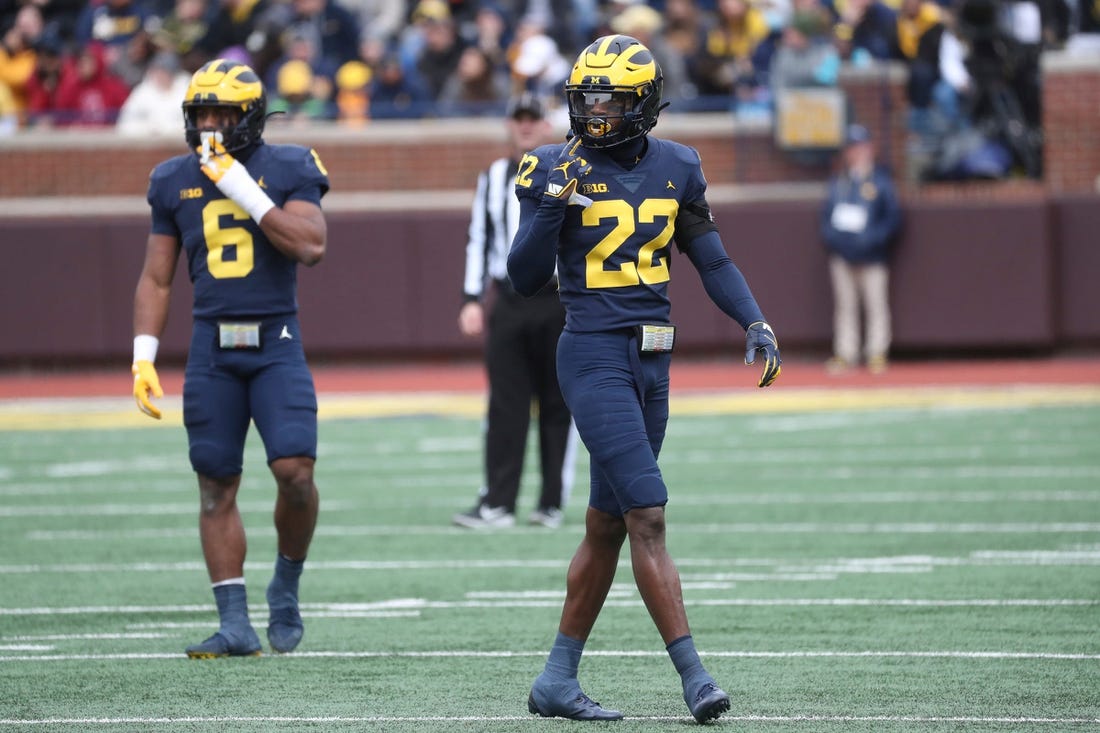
607,206
245,214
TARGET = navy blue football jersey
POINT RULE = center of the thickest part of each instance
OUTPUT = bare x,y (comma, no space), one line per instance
235,270
614,256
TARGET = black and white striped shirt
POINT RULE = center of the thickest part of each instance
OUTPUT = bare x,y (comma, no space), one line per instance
494,219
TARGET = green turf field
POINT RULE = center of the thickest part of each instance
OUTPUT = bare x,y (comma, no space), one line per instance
931,567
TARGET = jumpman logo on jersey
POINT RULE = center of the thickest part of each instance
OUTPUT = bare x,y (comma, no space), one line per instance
669,185
564,167
285,334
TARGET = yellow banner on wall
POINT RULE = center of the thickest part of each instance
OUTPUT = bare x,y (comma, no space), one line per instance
810,118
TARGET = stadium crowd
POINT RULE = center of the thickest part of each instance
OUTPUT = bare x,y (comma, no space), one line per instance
126,62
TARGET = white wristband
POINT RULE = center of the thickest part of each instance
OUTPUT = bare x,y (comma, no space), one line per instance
239,186
145,348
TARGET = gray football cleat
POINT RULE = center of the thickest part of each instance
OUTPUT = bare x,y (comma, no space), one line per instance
710,702
575,705
237,643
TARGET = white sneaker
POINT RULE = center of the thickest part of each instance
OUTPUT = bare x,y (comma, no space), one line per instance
485,517
550,517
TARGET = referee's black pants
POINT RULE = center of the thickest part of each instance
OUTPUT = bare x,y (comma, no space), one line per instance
521,357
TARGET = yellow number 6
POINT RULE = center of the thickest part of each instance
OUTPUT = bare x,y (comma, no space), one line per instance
219,238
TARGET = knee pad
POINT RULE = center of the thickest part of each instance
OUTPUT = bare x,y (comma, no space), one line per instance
645,491
290,440
213,460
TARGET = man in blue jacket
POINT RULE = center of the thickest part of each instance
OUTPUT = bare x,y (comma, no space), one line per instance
859,220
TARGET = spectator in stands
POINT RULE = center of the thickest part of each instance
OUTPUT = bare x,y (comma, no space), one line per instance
919,31
253,25
859,220
58,16
88,95
380,20
806,56
685,37
725,67
41,89
492,33
537,63
951,94
1004,41
438,48
393,93
463,12
133,58
353,93
476,87
9,112
18,55
153,107
373,50
608,9
300,95
869,28
181,31
111,23
335,30
1018,38
302,43
644,23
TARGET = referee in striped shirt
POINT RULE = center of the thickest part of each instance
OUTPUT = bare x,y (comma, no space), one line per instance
522,340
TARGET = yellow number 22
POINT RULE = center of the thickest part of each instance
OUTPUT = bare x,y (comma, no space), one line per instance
647,270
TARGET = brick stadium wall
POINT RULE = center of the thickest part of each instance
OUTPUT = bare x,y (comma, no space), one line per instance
1003,265
435,154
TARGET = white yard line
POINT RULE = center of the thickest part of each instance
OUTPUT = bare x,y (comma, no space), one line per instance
470,654
333,610
385,719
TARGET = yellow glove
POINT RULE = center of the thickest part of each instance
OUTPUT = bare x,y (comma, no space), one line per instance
213,158
146,381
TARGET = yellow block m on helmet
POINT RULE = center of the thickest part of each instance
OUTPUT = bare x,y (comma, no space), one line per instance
614,92
230,84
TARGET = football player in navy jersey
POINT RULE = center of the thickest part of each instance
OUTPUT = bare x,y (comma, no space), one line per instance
245,214
607,206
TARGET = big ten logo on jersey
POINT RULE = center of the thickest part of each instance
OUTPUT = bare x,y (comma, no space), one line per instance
594,188
190,193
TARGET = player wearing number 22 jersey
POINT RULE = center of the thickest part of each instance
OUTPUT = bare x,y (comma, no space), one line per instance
244,214
608,207
614,254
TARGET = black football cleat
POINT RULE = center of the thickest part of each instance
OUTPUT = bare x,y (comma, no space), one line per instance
710,702
241,644
582,707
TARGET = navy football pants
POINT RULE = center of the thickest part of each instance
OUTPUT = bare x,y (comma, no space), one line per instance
223,390
619,401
